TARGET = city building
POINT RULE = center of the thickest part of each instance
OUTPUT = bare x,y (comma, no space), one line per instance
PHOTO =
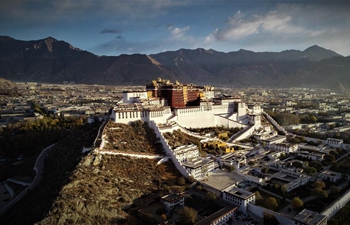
336,143
285,147
199,167
178,95
182,153
331,176
308,217
165,102
172,200
239,197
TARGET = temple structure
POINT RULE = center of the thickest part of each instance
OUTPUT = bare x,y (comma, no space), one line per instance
188,105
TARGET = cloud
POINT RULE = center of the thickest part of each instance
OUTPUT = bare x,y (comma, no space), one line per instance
211,37
169,26
285,23
179,33
119,37
110,31
240,25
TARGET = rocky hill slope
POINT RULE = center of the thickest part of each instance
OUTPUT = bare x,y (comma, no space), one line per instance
7,87
96,188
50,60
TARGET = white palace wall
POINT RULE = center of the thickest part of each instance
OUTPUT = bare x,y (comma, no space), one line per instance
206,115
127,116
194,117
168,149
216,109
220,120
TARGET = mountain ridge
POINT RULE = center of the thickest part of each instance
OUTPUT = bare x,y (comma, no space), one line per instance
54,61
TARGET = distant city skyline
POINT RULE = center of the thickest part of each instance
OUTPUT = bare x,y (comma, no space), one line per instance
106,27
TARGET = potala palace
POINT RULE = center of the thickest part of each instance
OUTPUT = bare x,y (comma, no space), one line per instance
187,105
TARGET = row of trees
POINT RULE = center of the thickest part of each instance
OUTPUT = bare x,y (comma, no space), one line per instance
285,119
31,136
269,202
43,124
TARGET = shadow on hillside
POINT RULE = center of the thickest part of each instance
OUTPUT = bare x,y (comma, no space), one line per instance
149,203
59,165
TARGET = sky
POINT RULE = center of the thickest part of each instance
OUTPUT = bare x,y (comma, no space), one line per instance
114,27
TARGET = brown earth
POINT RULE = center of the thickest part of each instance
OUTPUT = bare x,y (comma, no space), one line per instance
104,189
96,189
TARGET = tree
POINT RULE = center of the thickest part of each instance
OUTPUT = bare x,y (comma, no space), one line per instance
259,199
187,215
316,165
190,179
276,186
310,170
297,164
269,219
271,203
329,157
297,203
334,152
318,184
284,188
210,196
180,181
230,168
258,196
319,193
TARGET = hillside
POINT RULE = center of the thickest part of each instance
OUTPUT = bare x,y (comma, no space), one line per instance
53,61
7,87
96,188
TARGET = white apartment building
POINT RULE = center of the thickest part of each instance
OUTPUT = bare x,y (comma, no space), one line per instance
274,140
172,200
336,143
299,179
199,167
331,176
237,160
316,156
184,152
239,197
308,217
285,147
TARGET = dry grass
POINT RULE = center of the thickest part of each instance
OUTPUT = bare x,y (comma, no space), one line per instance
137,137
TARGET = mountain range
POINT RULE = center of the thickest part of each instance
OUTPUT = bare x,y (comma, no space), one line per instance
52,61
